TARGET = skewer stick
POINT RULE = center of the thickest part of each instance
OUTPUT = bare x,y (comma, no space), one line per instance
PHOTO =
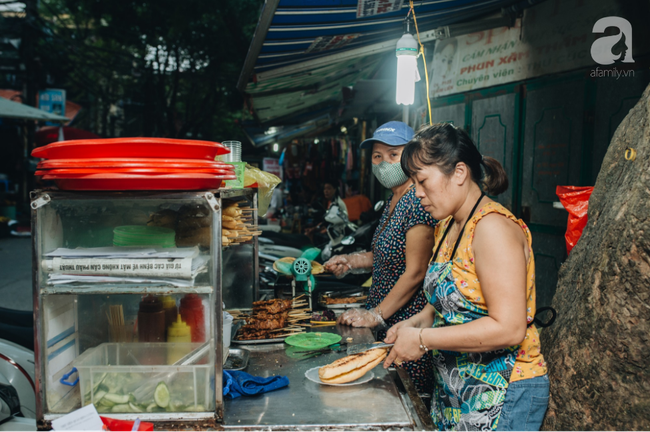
286,334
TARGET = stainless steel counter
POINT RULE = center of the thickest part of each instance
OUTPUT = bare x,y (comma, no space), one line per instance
381,403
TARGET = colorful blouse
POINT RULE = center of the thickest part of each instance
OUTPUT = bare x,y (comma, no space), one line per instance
530,361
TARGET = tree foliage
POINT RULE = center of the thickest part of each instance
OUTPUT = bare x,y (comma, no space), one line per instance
168,68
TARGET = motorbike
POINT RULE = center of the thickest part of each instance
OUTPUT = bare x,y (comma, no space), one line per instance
344,238
357,240
17,389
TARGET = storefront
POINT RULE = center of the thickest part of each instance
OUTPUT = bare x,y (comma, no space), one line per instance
533,98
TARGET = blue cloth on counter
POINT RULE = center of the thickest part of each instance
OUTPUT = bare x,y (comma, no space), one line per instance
238,383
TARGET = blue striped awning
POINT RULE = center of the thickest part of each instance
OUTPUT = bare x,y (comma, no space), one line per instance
297,62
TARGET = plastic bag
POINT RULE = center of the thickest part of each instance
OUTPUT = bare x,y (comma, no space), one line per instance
124,425
355,263
575,200
266,182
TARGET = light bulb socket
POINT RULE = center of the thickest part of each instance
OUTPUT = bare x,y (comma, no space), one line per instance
408,24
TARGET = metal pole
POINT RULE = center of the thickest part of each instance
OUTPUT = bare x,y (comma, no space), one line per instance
362,164
405,114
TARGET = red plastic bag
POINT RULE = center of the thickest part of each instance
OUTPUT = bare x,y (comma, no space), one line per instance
124,425
575,200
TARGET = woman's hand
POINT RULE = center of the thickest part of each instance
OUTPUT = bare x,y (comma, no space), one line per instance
360,318
406,348
391,334
357,263
339,265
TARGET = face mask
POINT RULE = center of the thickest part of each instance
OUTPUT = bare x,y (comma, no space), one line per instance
389,175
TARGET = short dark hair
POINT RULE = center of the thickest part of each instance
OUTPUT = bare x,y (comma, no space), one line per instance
445,145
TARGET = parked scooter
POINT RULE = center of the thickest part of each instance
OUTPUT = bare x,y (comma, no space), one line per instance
17,388
359,239
344,238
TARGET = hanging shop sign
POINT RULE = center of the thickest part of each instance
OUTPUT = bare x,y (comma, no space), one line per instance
325,43
366,8
556,36
52,101
272,166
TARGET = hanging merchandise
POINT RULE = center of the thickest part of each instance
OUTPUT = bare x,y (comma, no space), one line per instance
349,164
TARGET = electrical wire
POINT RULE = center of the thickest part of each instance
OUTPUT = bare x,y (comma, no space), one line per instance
426,72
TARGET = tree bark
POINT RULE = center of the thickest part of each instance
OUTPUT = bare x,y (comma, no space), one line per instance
598,350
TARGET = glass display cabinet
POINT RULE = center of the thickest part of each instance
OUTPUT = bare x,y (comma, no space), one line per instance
128,300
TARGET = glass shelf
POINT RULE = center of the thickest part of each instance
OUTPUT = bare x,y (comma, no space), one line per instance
125,289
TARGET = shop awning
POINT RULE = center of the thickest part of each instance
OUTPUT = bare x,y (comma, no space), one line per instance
305,52
15,110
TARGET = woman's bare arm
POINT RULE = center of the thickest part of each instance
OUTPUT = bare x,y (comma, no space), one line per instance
419,247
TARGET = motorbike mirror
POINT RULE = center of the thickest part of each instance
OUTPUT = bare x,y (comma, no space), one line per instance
379,205
348,240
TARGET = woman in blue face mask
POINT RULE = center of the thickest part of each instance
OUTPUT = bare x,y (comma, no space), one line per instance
400,252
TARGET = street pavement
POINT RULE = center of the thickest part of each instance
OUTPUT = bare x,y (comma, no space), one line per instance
16,273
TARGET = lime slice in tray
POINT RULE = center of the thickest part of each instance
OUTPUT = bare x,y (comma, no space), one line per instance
161,395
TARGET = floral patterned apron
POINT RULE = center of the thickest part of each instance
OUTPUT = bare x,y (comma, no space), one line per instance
469,388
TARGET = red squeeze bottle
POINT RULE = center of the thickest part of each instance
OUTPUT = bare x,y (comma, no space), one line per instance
192,313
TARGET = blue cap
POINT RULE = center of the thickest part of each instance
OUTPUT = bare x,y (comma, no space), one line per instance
394,133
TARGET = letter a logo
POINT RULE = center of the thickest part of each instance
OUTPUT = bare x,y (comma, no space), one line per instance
607,49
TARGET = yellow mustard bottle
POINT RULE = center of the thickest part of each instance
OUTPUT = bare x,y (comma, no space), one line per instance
169,306
178,334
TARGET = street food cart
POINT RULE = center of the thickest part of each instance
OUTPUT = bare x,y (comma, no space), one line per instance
90,309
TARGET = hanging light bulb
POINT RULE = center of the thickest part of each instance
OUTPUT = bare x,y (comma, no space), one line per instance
407,67
276,147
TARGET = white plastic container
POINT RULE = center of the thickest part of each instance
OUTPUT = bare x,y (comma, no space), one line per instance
227,330
134,371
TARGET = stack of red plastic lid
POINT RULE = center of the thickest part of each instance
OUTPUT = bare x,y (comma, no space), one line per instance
133,164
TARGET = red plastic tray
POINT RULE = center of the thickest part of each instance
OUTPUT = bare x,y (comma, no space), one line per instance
121,182
131,148
132,163
80,172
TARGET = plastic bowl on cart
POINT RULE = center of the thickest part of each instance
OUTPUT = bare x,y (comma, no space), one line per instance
131,148
121,182
132,163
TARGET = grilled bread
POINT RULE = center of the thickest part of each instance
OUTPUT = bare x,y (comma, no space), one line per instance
352,367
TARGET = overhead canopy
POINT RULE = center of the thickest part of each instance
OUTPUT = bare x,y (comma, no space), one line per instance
15,110
305,52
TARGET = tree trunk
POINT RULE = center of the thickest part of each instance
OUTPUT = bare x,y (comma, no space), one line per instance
598,350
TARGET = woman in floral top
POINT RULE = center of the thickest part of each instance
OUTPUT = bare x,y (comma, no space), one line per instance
488,368
401,249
